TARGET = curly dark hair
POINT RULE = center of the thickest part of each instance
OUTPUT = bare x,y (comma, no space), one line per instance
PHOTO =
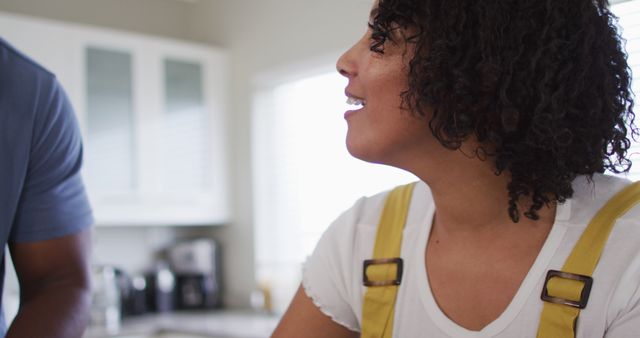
543,85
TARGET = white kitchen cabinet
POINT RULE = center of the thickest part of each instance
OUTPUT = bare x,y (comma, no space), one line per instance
152,113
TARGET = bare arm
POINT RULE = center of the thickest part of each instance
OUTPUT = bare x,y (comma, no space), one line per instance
55,290
304,319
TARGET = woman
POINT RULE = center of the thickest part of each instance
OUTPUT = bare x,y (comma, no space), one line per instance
509,112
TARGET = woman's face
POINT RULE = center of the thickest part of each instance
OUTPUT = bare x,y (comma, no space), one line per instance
380,130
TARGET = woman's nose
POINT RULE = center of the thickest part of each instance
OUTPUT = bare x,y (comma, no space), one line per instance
346,65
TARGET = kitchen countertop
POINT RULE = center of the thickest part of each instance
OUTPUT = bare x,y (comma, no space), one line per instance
193,324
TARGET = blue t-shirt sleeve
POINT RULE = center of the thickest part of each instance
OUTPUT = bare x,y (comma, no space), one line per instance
53,202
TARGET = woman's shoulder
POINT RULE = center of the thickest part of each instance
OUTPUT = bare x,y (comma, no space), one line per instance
591,194
358,224
367,210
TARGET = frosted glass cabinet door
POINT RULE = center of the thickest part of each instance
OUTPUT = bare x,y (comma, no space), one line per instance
185,150
110,130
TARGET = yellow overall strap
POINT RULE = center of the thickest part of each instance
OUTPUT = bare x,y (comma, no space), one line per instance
382,274
567,291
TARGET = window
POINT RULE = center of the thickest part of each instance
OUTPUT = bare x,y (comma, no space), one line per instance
629,14
304,177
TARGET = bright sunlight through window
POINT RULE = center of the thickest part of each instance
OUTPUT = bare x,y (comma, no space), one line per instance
304,177
629,14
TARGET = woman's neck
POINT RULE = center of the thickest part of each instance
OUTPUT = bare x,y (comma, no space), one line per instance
470,198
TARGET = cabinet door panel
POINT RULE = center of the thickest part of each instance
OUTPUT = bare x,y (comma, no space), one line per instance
185,159
110,128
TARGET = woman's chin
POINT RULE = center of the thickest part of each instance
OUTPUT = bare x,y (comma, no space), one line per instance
357,151
363,151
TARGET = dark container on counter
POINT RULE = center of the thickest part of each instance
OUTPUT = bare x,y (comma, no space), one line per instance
134,301
160,289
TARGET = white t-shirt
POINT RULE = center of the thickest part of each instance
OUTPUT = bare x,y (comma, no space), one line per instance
333,273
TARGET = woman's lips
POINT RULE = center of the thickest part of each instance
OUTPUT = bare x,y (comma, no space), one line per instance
349,113
355,101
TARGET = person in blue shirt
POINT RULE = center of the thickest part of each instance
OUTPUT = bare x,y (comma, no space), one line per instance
45,216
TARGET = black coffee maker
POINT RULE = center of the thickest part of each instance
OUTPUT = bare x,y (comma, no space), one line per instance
196,265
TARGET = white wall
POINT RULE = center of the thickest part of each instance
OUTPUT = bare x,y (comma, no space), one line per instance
157,17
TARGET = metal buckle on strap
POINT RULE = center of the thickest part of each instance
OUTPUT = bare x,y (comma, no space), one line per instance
584,296
397,261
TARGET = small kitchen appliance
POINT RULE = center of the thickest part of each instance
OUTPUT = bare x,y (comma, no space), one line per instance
196,264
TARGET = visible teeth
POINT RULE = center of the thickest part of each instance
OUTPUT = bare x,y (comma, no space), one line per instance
354,101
